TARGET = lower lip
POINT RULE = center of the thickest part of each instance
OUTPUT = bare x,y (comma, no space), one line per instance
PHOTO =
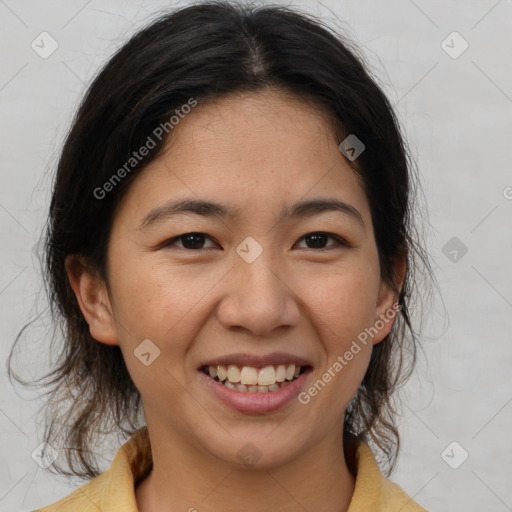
256,403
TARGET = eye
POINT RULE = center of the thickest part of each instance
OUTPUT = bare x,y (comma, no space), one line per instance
196,241
318,240
192,241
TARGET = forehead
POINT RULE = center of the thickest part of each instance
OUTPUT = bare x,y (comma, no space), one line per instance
257,151
266,126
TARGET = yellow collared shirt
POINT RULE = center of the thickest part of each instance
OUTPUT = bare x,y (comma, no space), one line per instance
114,490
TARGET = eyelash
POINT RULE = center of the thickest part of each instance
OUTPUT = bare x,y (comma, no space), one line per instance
339,241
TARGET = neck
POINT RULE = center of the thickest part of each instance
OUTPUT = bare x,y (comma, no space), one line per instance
181,479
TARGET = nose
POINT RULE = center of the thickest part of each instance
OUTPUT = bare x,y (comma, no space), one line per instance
259,299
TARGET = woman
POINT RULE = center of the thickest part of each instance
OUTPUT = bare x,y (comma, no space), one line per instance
230,253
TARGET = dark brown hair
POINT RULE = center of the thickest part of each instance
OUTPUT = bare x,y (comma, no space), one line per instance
205,51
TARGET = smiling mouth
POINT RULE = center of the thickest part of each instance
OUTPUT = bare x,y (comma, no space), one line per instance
249,379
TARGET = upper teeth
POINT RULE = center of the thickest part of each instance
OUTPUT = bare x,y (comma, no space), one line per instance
253,376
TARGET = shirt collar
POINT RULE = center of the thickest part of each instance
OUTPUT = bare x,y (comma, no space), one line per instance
133,462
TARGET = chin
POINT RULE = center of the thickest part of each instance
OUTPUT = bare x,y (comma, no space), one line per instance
258,449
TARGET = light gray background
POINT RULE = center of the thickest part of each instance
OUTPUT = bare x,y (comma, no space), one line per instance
457,113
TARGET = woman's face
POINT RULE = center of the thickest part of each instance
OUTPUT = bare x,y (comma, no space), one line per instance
275,275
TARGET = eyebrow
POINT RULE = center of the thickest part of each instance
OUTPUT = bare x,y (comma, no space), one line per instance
302,209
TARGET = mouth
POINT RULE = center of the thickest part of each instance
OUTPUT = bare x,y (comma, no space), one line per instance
254,379
253,384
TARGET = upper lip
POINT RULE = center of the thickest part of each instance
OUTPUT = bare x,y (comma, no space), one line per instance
257,361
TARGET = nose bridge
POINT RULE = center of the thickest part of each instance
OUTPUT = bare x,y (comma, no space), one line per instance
258,298
261,278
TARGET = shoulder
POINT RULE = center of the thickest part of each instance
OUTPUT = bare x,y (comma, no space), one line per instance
87,498
394,499
375,492
113,490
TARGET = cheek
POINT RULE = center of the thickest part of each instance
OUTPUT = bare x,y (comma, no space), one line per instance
344,308
344,300
153,300
344,304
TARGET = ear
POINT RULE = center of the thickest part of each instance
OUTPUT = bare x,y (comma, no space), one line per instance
387,302
93,299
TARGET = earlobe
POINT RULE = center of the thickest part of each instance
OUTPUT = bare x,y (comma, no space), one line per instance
387,305
91,293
